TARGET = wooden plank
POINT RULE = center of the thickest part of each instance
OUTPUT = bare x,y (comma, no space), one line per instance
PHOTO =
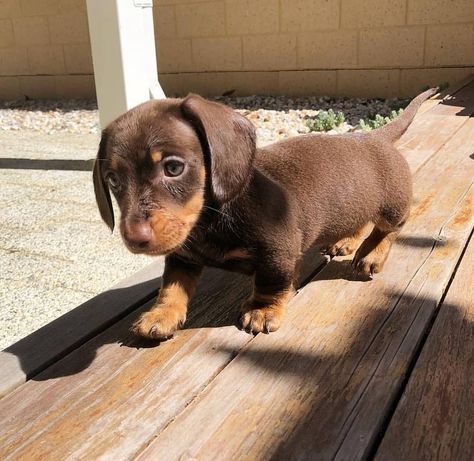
43,347
132,395
446,94
435,417
32,354
430,131
321,387
109,380
109,397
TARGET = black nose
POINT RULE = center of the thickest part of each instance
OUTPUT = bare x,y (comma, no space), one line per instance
138,234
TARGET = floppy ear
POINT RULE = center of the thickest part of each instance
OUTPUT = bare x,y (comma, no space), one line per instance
101,189
228,141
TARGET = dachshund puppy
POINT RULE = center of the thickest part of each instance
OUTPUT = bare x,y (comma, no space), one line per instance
191,184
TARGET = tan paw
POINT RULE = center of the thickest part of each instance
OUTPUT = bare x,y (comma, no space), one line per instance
159,323
343,247
370,264
260,320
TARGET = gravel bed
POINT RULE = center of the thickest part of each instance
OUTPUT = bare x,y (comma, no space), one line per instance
276,117
50,116
54,266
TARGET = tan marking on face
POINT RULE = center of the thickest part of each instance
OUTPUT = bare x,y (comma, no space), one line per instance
202,175
190,212
113,163
172,225
156,156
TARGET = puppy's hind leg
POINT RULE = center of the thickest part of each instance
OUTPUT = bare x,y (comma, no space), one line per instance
347,245
372,254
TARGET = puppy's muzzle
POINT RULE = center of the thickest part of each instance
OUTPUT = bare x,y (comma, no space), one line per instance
138,234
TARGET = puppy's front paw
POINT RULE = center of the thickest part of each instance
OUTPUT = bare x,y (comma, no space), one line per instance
261,319
370,264
159,323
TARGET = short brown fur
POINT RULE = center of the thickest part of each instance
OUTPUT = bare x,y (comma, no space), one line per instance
257,211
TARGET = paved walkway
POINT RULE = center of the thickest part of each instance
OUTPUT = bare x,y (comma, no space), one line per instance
55,252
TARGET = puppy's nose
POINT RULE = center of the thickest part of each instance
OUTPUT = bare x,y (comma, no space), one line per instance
138,234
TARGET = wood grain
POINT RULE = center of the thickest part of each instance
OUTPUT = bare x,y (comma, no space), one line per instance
43,347
322,386
444,95
318,388
428,132
435,416
34,353
109,397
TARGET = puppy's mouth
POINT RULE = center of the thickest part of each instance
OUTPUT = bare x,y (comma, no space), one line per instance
156,237
165,230
155,246
153,251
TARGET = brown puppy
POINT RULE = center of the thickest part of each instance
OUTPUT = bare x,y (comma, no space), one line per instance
191,184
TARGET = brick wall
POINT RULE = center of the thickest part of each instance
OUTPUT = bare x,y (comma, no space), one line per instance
45,49
346,47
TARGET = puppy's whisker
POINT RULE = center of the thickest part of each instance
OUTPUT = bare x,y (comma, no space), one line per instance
217,211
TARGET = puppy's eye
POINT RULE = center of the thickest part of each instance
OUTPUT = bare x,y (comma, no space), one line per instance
113,181
173,167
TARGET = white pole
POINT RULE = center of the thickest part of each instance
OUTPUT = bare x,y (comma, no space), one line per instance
123,52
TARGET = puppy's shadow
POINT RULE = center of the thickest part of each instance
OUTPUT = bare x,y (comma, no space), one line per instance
338,269
215,305
212,309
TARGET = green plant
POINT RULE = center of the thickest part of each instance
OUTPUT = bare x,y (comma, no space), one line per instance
325,121
378,121
441,87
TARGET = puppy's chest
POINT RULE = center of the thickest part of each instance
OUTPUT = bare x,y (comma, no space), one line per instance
223,255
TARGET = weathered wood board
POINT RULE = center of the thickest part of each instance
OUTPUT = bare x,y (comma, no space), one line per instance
320,388
444,95
430,131
43,347
435,415
110,396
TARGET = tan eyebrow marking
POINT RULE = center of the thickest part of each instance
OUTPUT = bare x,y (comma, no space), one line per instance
113,163
156,156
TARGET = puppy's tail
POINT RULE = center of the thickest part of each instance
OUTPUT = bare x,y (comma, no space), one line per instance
394,130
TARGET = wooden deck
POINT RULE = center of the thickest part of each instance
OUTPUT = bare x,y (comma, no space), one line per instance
381,370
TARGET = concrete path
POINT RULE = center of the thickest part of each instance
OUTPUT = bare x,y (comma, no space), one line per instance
55,252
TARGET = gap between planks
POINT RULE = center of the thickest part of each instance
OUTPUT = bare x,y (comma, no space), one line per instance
420,409
145,359
421,281
57,339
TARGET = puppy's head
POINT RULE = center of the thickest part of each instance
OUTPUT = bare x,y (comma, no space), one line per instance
163,160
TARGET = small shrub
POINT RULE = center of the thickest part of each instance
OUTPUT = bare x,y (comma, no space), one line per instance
379,120
325,121
441,87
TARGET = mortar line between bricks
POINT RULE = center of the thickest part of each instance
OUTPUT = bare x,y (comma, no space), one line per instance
324,69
